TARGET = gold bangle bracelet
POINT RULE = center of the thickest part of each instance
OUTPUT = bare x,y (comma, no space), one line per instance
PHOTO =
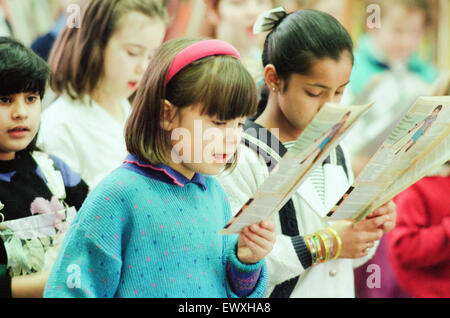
339,241
320,257
322,235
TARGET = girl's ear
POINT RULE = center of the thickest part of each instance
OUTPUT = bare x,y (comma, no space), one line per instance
271,78
168,116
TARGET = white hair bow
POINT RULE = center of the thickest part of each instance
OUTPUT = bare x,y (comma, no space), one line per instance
268,20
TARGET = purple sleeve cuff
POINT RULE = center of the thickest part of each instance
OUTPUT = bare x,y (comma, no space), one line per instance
243,278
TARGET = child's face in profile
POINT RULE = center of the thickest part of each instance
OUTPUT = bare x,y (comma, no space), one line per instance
401,32
306,94
19,122
202,143
128,52
236,19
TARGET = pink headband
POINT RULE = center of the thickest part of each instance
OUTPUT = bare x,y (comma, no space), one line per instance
200,50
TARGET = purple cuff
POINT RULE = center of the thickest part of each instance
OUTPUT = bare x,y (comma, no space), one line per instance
242,282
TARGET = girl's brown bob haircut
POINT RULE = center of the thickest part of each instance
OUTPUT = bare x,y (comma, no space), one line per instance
221,84
76,59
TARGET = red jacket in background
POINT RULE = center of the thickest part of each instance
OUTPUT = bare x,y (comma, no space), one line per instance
419,245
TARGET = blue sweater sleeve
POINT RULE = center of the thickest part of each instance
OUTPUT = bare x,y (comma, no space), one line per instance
245,280
89,262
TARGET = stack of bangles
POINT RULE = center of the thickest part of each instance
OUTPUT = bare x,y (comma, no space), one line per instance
322,245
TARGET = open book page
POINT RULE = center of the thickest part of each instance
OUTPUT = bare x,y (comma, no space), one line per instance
417,145
312,147
420,168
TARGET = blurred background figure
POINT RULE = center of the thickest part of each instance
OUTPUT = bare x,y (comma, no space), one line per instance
419,248
389,72
4,27
232,21
28,18
332,7
43,44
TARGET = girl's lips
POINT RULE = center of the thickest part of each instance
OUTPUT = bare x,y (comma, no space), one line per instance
18,132
132,85
221,158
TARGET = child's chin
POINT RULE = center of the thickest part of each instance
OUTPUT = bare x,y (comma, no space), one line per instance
212,169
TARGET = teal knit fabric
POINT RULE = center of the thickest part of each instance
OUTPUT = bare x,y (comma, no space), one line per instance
367,65
136,236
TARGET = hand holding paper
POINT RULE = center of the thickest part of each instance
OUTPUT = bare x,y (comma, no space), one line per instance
388,213
357,239
256,241
328,128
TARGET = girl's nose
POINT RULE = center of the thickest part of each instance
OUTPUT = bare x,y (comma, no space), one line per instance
332,97
19,110
233,136
142,66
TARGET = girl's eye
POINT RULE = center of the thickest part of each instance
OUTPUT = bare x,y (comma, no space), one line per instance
241,125
312,95
219,123
132,53
5,100
31,99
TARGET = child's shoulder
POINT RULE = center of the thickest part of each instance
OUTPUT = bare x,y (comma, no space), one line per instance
212,184
64,108
251,161
125,181
425,70
69,176
121,178
58,112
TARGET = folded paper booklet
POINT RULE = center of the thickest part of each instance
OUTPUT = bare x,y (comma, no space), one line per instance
417,146
313,146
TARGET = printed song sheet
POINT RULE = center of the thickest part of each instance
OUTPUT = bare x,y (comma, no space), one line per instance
312,147
417,146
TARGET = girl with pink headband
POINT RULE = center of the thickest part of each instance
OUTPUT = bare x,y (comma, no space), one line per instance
151,228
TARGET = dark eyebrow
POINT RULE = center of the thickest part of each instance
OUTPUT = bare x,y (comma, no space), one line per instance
326,87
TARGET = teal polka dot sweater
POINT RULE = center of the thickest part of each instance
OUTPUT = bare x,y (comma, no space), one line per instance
147,231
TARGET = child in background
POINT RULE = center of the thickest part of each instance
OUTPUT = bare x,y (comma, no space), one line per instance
391,254
4,27
96,68
232,21
151,228
389,72
23,174
43,44
308,60
418,247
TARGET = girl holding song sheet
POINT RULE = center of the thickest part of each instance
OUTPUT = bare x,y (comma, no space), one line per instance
308,60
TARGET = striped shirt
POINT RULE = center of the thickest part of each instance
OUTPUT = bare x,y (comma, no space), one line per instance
317,176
